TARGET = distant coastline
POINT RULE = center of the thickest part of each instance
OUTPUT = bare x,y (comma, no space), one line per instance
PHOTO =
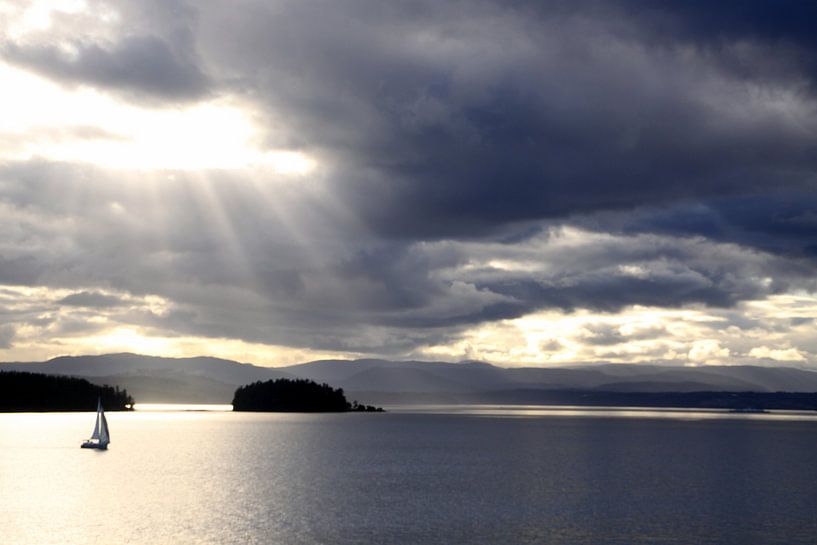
383,382
791,401
35,392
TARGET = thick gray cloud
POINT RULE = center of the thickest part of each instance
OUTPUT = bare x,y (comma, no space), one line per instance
778,221
451,119
143,65
263,275
151,58
479,161
91,299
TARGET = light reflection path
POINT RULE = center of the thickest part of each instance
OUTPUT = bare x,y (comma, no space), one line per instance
173,407
675,413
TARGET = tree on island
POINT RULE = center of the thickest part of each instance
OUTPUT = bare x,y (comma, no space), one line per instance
299,395
21,391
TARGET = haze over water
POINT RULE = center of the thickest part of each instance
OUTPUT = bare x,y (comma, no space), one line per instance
556,477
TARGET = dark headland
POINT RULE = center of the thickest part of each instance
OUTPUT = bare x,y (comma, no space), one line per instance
23,392
300,395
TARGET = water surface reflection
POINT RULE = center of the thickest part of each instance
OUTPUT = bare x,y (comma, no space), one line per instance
409,477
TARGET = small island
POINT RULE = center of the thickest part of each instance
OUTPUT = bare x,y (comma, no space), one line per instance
300,395
35,392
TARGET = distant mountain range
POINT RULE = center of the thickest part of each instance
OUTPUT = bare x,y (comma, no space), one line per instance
213,380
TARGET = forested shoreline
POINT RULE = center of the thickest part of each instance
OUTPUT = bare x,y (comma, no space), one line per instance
23,392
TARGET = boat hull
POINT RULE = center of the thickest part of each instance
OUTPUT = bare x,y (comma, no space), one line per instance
98,446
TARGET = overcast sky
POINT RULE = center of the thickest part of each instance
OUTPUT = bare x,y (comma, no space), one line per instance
524,183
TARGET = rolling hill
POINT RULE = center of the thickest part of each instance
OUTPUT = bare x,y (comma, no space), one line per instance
213,380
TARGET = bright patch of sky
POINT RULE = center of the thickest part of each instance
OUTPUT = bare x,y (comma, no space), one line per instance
40,119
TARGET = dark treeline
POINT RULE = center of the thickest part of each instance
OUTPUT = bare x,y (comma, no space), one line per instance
301,395
20,391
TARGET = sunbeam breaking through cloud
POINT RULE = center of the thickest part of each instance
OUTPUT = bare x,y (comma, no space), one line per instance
520,183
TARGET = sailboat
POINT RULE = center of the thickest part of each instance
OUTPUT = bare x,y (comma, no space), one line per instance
101,437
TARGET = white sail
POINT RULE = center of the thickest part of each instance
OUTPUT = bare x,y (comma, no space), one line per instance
96,427
101,436
104,436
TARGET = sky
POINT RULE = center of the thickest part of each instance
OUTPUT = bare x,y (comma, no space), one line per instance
522,183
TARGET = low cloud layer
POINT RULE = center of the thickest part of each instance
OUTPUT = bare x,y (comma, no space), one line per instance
409,179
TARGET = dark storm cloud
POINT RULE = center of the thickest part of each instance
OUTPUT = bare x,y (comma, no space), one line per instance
342,291
612,293
454,140
610,274
452,120
787,23
779,222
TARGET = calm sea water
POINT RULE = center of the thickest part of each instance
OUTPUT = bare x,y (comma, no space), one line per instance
474,475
